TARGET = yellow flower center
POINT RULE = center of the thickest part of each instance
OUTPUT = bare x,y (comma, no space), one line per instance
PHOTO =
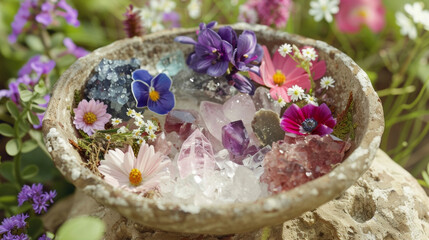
89,118
153,95
362,13
279,78
135,177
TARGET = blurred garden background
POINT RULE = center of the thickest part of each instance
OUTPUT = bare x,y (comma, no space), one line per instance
388,39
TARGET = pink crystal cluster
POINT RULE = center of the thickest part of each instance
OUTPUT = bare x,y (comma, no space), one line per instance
299,159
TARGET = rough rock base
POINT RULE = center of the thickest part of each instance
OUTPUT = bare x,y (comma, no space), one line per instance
385,203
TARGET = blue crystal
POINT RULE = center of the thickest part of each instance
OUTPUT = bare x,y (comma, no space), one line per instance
172,63
110,83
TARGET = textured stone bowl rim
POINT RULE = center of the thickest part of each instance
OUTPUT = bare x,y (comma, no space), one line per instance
217,218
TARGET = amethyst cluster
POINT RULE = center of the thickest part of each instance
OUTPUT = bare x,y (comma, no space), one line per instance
223,53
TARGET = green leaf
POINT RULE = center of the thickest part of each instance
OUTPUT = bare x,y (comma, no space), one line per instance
24,127
425,177
40,88
12,108
12,147
8,199
83,228
34,43
32,118
39,100
30,171
6,171
35,227
29,146
25,95
6,130
38,109
22,87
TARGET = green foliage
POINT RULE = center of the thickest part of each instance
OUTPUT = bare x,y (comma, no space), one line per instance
82,228
345,128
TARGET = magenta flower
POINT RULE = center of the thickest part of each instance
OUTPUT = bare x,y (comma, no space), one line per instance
281,73
269,12
354,14
91,116
141,174
309,119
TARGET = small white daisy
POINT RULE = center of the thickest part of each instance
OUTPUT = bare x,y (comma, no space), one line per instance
416,11
309,54
194,9
122,129
285,49
327,82
150,127
108,137
136,133
408,28
138,115
131,112
323,9
152,136
140,141
295,92
280,102
311,99
116,121
139,122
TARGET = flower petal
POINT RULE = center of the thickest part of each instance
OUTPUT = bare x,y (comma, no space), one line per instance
318,70
246,43
185,40
142,75
164,104
242,83
217,69
228,34
161,82
140,92
209,37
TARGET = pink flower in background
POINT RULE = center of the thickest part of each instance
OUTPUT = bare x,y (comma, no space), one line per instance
354,14
139,174
91,116
269,12
78,52
281,73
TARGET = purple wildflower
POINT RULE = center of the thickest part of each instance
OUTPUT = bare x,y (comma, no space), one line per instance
42,115
10,226
44,237
248,53
269,12
36,65
78,52
11,236
241,83
21,18
69,14
37,197
173,18
310,119
152,92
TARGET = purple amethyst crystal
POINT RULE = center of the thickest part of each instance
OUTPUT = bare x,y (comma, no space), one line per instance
235,138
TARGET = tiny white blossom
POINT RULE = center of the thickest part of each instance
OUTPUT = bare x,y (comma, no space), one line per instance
415,11
136,133
150,127
122,129
116,121
311,99
162,5
108,137
131,112
309,54
327,82
285,49
295,92
425,17
323,9
138,115
152,136
139,122
280,102
194,9
407,26
297,53
140,141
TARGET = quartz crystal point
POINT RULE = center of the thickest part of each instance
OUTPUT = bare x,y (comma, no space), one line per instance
183,122
262,100
299,159
235,138
111,83
196,155
214,118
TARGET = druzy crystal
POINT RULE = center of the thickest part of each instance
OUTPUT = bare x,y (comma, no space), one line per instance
299,159
196,155
111,83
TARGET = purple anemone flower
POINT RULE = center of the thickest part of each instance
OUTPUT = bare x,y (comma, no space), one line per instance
35,195
152,92
248,53
310,119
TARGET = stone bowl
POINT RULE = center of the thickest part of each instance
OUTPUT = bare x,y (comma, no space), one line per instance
219,218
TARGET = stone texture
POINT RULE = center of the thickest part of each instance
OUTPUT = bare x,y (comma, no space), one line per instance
385,203
226,218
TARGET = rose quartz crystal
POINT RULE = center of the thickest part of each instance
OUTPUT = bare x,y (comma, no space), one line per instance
299,159
196,155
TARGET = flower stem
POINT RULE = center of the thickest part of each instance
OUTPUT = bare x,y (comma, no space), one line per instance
46,42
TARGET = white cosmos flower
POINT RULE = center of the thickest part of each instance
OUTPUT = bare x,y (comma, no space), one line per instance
141,174
323,9
295,92
285,49
327,82
407,26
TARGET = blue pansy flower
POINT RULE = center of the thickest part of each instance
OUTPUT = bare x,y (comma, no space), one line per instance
152,92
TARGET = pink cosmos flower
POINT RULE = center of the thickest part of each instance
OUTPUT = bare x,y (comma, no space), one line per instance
139,174
354,14
281,73
91,116
268,12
